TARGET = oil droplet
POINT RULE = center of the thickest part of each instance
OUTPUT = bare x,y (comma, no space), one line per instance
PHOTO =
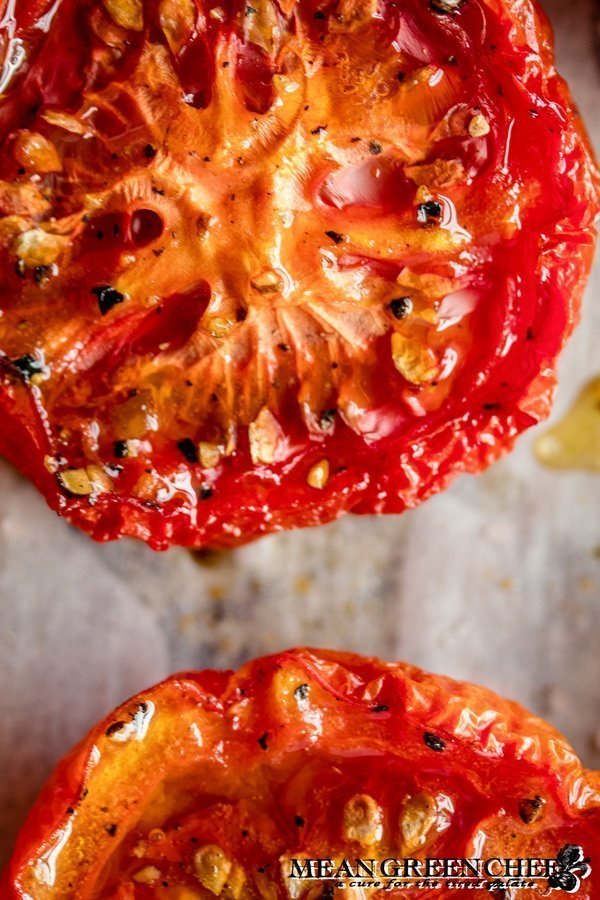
574,443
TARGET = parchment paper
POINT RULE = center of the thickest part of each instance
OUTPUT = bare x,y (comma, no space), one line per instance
496,581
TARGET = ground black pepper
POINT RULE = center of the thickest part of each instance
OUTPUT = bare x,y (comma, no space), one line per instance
189,449
428,212
401,307
107,297
28,365
302,692
434,742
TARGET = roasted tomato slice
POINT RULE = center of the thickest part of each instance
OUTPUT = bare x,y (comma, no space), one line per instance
213,782
263,263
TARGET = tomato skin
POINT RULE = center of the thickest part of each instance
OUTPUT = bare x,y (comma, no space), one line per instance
526,220
265,761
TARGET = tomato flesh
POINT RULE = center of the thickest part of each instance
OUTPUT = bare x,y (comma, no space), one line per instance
334,247
211,782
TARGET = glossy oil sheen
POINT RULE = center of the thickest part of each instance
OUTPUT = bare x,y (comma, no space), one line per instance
264,764
280,175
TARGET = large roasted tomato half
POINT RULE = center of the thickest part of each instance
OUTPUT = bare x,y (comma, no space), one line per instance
266,262
213,783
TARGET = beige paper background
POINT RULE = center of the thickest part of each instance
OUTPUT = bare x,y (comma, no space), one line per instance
495,581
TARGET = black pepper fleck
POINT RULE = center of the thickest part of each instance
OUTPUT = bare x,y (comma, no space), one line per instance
401,307
335,236
434,742
205,493
446,6
115,728
189,449
299,821
150,151
327,419
428,211
381,707
120,449
302,692
107,297
263,740
531,809
41,274
28,365
375,148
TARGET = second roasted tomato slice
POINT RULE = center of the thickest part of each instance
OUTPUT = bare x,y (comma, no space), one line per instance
263,263
216,784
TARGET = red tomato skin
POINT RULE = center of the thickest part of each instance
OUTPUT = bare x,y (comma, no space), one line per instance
376,721
380,473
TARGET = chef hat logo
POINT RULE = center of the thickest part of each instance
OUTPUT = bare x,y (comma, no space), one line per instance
572,867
